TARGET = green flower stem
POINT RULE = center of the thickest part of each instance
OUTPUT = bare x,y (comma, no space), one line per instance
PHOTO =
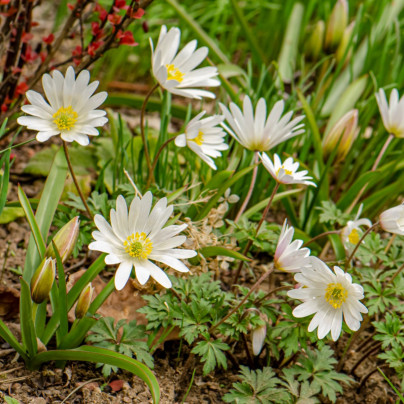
75,180
250,242
326,233
349,259
231,312
397,273
155,160
142,132
250,190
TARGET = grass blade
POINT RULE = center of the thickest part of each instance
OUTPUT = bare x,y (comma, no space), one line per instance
96,354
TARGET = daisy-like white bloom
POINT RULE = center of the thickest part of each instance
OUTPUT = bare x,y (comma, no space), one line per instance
204,137
175,72
257,132
289,257
329,295
136,237
352,232
286,173
71,108
392,113
392,220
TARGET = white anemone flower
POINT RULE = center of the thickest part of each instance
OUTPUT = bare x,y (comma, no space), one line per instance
176,72
330,296
136,237
204,138
286,173
257,132
289,257
71,108
392,113
352,232
392,220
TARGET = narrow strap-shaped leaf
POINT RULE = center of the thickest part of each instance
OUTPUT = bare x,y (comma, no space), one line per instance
48,203
6,176
213,251
40,244
6,334
95,354
96,267
27,323
62,298
77,334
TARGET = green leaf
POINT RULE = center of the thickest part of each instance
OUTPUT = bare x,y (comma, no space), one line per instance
6,334
10,400
227,184
95,268
95,354
257,386
46,209
10,214
62,296
32,222
214,251
318,368
5,160
129,342
212,354
27,323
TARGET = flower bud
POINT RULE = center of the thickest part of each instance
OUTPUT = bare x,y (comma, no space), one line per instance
342,47
42,281
315,42
65,240
84,301
392,220
336,25
346,129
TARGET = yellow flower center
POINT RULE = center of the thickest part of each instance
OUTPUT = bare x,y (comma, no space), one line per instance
335,294
65,118
288,172
138,245
199,139
354,236
174,74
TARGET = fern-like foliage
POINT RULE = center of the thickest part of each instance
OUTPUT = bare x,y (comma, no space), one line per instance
258,386
130,341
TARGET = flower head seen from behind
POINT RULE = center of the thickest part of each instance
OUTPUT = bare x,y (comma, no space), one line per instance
176,73
285,173
204,137
256,131
137,237
329,296
71,108
289,257
392,113
392,220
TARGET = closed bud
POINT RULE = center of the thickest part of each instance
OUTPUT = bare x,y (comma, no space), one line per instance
42,281
343,45
346,129
84,301
336,25
65,240
314,44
